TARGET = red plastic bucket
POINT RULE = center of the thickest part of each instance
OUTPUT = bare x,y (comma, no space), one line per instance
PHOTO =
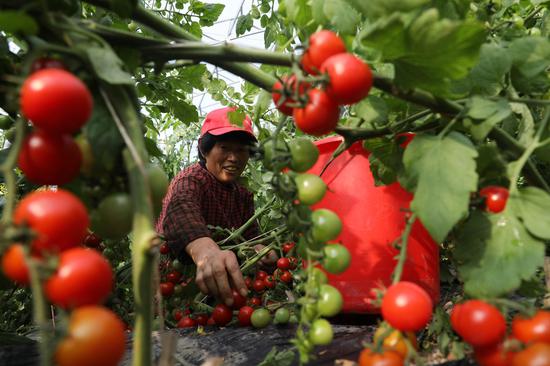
373,218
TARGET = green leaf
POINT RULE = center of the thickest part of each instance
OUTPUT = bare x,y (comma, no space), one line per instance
152,148
123,8
236,117
530,55
208,13
17,22
532,206
278,358
342,15
244,24
490,165
298,12
184,111
374,9
385,159
489,112
372,110
318,12
495,253
442,194
107,65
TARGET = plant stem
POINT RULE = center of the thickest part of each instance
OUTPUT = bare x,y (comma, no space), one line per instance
402,257
40,313
7,171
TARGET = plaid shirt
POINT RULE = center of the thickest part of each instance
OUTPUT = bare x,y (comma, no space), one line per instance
196,199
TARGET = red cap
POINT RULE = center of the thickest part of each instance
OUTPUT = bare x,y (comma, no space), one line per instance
217,123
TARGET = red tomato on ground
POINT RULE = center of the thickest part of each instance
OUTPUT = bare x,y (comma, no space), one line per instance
222,314
407,306
494,355
478,323
59,219
535,329
536,354
322,45
368,357
319,116
187,322
201,319
495,198
14,266
244,315
49,158
56,100
350,78
83,277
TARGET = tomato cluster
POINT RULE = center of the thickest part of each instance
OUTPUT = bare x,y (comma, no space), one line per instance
346,79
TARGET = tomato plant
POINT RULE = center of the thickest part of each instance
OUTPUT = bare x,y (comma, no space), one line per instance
478,323
336,258
245,313
222,314
303,153
56,100
321,332
495,198
350,78
330,301
322,45
319,116
292,86
311,188
368,357
260,318
14,266
406,306
534,329
326,225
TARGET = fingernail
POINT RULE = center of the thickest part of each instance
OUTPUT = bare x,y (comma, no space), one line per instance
229,302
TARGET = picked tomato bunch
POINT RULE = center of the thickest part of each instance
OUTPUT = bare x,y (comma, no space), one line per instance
72,277
483,326
344,79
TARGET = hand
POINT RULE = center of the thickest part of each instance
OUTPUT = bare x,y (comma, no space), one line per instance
216,269
269,259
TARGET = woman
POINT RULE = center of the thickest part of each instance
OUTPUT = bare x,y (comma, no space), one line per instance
207,193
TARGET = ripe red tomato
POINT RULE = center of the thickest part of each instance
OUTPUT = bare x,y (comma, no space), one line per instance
164,249
319,116
478,323
14,266
46,63
269,282
350,78
49,158
244,315
83,277
96,337
290,84
368,357
238,300
322,45
167,289
536,354
287,247
58,217
283,263
173,277
258,285
293,262
178,314
222,314
535,329
255,301
201,319
187,322
56,101
261,275
285,276
248,282
495,198
494,355
92,240
407,307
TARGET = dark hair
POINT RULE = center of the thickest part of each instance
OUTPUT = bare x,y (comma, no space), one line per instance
207,142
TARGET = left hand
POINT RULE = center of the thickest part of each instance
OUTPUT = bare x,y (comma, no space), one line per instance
269,259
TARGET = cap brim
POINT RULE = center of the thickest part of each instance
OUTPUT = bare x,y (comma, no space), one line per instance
224,130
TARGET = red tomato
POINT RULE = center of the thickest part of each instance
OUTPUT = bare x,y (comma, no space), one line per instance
46,63
92,240
283,263
319,116
269,282
286,276
173,277
166,289
350,78
187,322
495,198
201,319
178,314
287,247
395,340
255,301
59,219
322,45
14,265
367,357
258,285
96,337
238,300
290,86
535,329
494,355
164,249
407,307
248,282
244,315
293,262
49,158
478,323
210,321
56,100
261,275
83,277
536,354
222,314
405,138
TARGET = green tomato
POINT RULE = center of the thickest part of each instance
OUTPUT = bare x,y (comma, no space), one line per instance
158,185
113,217
5,122
337,258
326,225
293,319
304,154
270,156
311,188
330,301
320,333
282,316
10,134
177,265
319,276
260,318
132,27
310,311
535,31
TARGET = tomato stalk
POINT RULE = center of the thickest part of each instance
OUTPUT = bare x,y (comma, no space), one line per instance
404,242
7,171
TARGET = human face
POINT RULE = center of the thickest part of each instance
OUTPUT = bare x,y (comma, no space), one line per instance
227,160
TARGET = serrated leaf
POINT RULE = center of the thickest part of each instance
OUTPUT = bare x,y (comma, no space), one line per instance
244,24
209,13
17,22
490,112
107,65
495,253
530,55
236,117
441,195
385,159
184,111
532,206
342,16
372,110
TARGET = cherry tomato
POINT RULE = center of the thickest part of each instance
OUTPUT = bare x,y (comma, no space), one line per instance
285,276
535,329
336,258
158,186
255,301
283,263
14,266
319,116
96,337
293,262
248,282
260,318
494,355
166,289
222,314
178,314
238,300
367,357
495,198
48,158
187,322
92,240
320,333
258,285
269,282
304,154
287,247
478,323
536,354
350,78
289,85
46,63
244,315
395,340
311,188
56,101
322,45
114,216
330,300
201,319
83,277
173,277
407,306
282,316
164,249
58,217
326,225
261,275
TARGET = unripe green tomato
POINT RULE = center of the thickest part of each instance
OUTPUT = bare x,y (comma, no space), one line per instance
320,276
326,225
330,301
260,318
270,154
132,27
113,217
304,154
282,316
321,332
178,289
177,265
311,188
293,319
158,186
535,31
310,311
518,21
336,259
5,122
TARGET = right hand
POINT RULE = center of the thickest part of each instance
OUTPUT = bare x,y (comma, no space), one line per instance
218,270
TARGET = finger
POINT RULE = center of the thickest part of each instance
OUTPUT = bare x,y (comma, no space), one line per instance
220,275
272,256
236,275
210,282
199,280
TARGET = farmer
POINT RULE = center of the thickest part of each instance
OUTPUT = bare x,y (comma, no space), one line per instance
207,193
